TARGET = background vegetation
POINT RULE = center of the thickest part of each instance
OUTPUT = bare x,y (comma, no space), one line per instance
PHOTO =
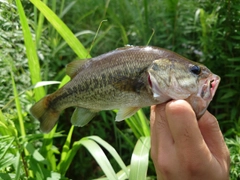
35,46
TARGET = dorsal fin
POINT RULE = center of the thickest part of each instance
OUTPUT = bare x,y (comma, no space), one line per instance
73,67
125,47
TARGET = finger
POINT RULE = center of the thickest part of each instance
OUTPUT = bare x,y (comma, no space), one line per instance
213,137
183,126
161,139
159,125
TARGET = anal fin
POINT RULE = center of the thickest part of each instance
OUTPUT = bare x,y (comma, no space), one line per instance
82,116
126,113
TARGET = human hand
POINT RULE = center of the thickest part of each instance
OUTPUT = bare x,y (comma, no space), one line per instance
183,148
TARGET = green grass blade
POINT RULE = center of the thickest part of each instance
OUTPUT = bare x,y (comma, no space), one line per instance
112,151
121,27
6,147
91,143
126,138
47,148
139,124
66,9
100,157
5,127
7,161
121,175
62,29
46,83
139,161
39,25
18,106
65,151
64,81
20,116
31,52
17,166
64,43
132,123
144,123
5,176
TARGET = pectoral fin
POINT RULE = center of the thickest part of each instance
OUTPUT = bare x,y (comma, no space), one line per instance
126,113
82,116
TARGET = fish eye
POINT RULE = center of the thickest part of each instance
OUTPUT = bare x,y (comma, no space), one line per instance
195,69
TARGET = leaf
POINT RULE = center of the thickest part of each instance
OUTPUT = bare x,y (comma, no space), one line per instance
18,106
121,175
139,160
64,81
35,154
112,151
8,160
229,93
46,83
47,148
6,126
39,28
6,147
17,165
64,43
144,123
62,29
100,157
33,61
67,8
5,176
54,176
91,143
235,59
139,124
65,151
236,37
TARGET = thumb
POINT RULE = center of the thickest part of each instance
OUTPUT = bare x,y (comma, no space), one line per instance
213,137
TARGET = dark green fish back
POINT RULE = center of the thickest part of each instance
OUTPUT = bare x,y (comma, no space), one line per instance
112,74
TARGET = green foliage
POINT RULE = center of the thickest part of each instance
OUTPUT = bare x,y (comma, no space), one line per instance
220,43
38,38
139,124
31,52
11,49
62,29
234,148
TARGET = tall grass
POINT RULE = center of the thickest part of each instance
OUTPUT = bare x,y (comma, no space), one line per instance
43,161
31,52
57,32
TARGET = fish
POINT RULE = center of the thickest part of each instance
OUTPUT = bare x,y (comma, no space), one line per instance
127,79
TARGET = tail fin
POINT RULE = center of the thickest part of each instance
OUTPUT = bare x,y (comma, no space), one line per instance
45,114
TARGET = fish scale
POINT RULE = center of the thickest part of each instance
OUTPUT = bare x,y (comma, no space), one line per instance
127,79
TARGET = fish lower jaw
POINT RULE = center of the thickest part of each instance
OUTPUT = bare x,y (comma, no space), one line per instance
209,87
214,84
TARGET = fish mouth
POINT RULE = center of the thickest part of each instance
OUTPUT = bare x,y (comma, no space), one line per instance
210,85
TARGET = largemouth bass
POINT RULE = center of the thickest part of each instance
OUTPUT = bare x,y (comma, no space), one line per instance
127,79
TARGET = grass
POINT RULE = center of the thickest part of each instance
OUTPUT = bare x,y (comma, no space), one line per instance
54,35
31,52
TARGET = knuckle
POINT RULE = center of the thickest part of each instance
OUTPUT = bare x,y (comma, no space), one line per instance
164,166
162,162
194,168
